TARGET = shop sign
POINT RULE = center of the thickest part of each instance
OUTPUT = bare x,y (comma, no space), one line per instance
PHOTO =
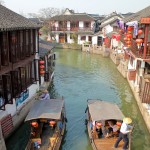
145,20
23,96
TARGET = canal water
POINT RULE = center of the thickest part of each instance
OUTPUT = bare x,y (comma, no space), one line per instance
80,76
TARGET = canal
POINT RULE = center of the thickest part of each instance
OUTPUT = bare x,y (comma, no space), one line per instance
80,76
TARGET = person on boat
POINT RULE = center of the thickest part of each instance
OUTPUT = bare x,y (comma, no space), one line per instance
124,130
99,129
113,128
45,95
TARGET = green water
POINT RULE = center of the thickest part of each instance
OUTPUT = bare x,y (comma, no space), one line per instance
80,76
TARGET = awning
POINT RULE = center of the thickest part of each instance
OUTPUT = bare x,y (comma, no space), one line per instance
101,110
46,109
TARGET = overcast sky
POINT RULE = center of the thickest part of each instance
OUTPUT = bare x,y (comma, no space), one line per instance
101,7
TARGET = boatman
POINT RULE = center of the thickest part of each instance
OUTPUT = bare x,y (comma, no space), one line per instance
45,95
124,130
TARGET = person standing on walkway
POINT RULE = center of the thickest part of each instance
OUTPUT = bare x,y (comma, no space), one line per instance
45,95
124,130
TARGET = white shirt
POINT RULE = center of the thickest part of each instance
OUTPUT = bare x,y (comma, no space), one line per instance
45,97
125,128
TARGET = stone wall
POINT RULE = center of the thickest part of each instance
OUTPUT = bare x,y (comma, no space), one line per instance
122,68
144,112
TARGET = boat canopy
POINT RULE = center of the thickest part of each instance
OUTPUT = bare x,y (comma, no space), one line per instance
102,110
46,109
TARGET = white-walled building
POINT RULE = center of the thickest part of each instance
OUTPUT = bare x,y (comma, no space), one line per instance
106,26
72,27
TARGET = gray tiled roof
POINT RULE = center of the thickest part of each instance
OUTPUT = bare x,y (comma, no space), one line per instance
110,16
44,47
138,15
10,20
73,17
110,22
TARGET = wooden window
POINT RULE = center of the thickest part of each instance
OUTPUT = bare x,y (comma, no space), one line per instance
12,47
34,41
0,48
2,100
87,24
145,91
74,24
31,42
28,74
7,89
147,68
4,50
24,42
83,38
16,83
34,75
23,78
27,43
21,47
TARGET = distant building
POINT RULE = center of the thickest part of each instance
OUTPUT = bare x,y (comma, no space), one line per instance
105,26
69,23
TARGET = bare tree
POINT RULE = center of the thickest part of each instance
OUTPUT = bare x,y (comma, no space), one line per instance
33,15
46,13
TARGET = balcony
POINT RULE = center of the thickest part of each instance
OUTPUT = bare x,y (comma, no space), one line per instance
77,29
138,53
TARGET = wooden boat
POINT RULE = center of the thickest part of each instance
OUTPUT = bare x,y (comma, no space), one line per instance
48,122
100,113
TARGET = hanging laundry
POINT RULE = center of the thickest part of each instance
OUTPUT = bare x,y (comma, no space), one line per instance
135,25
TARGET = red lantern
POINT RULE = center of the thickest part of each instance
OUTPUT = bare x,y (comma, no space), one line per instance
125,38
130,29
129,36
140,32
121,31
128,42
42,62
34,124
139,41
119,124
42,72
42,66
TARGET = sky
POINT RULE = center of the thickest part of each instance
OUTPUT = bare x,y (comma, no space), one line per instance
101,7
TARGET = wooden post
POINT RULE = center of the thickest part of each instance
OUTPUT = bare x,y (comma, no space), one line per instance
145,39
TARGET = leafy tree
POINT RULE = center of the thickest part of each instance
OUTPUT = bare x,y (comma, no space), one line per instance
74,36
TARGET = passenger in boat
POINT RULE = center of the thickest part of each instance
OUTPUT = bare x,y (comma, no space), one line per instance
45,95
124,130
113,129
99,129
